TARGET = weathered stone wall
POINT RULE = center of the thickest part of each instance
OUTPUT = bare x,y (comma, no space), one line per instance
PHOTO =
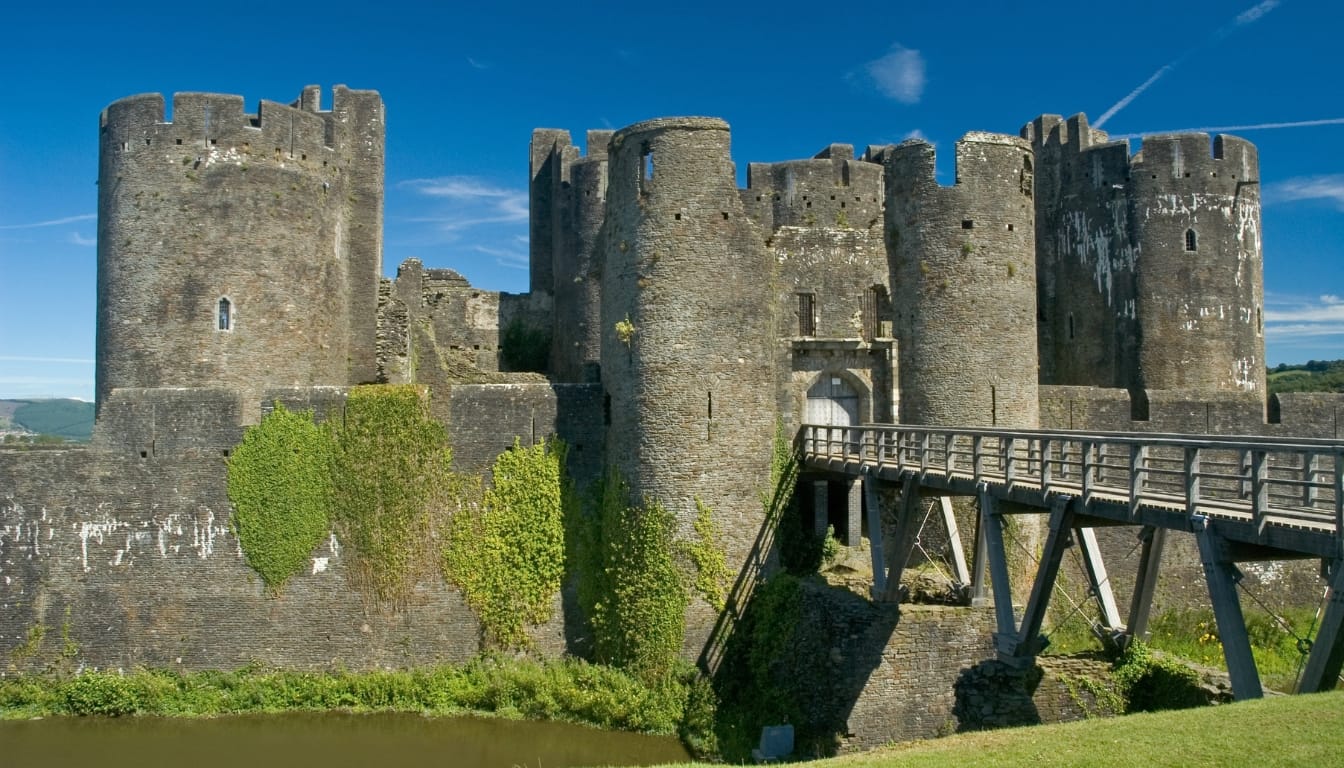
277,213
687,352
1200,309
576,338
126,547
1086,254
964,284
488,418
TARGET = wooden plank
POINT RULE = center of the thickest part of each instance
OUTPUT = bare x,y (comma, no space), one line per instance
907,530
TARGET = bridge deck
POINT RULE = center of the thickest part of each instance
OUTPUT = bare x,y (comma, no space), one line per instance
1263,492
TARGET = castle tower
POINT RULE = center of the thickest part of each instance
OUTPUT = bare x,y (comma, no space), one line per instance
687,337
1200,279
1086,254
576,340
235,250
963,283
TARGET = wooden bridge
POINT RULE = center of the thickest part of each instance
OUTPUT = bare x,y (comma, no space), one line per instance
1244,499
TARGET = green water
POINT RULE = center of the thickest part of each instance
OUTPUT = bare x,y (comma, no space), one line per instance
322,739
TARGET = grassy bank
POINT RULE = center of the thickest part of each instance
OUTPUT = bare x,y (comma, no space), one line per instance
1288,730
566,690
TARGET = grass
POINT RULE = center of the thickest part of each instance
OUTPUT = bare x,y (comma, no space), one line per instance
1193,635
1288,730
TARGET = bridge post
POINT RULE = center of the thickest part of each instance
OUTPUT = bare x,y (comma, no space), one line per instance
821,506
991,523
853,511
1222,577
1061,524
1150,564
1100,582
907,530
1327,651
873,500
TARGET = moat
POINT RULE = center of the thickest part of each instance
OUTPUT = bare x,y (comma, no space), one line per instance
326,738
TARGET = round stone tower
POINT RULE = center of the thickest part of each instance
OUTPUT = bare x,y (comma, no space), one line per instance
963,284
687,335
234,250
1200,274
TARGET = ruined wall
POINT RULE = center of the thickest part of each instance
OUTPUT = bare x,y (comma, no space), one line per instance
487,418
686,352
279,214
576,339
126,546
963,284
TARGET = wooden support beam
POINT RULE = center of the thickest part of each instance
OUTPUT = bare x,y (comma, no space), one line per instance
1326,659
991,523
1150,565
1222,577
873,501
907,530
1099,581
960,572
1059,540
978,563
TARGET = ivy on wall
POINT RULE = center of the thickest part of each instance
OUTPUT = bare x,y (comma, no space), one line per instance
507,553
391,485
630,586
280,485
710,575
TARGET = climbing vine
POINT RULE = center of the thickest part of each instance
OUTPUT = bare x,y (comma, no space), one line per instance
507,553
280,485
710,574
630,587
391,485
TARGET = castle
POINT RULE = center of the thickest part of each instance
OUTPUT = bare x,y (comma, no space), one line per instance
674,323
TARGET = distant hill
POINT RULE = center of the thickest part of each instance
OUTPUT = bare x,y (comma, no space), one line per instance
1311,376
66,419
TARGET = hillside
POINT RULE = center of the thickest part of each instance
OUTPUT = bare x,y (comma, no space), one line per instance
66,419
1311,376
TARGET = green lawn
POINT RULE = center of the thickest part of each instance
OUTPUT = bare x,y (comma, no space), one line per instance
1280,731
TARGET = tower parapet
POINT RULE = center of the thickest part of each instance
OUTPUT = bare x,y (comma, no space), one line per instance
1200,281
238,250
575,336
832,189
963,286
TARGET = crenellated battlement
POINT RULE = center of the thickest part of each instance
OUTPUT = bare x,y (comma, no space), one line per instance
831,189
200,121
1219,162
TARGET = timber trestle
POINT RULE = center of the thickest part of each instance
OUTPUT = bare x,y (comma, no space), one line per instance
1243,498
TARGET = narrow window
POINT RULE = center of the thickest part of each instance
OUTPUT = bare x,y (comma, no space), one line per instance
645,168
967,224
874,306
807,318
225,315
1259,322
1070,326
1191,240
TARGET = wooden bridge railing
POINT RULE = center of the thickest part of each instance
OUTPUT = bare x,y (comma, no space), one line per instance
1296,482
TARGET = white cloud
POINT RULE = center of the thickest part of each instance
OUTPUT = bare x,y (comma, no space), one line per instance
915,134
1328,187
31,359
79,239
52,222
899,75
475,64
1254,13
505,257
469,202
1293,317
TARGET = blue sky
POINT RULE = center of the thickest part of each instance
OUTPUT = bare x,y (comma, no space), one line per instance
464,88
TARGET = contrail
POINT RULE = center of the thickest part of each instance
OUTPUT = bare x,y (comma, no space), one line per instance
1248,16
51,223
1230,128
